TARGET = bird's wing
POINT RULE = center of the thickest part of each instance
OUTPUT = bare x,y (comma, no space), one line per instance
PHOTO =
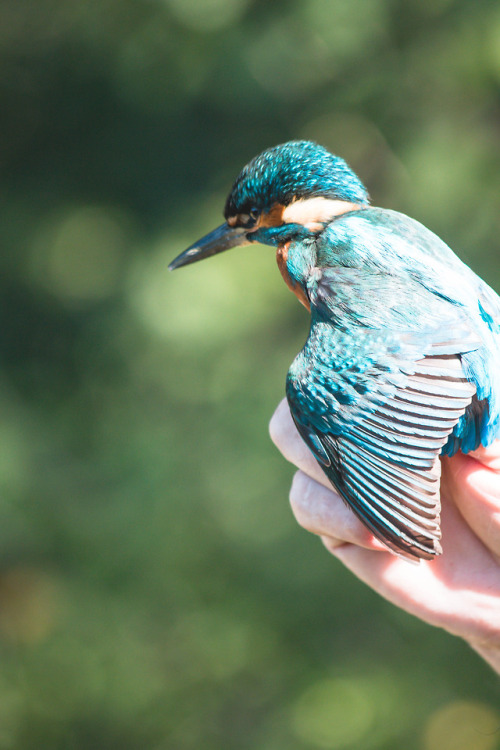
376,408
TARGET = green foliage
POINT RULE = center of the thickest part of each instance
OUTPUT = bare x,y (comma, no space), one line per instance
155,591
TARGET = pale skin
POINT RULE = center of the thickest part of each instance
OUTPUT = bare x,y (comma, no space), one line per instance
459,590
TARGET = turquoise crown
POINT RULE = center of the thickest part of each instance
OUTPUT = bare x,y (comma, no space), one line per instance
293,170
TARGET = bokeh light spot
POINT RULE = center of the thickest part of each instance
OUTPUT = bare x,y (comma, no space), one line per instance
337,23
78,257
29,605
334,713
463,725
209,301
207,15
289,61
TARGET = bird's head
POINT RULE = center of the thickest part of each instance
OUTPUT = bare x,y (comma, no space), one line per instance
288,191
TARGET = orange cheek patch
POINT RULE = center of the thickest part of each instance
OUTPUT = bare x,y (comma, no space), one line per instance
273,218
281,258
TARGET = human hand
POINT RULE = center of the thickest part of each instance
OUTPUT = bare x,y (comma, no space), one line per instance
459,590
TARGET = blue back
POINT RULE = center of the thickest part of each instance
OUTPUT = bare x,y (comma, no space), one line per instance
435,286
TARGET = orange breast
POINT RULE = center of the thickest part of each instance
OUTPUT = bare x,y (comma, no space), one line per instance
281,258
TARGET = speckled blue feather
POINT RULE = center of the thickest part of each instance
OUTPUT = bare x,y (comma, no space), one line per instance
293,170
377,240
402,361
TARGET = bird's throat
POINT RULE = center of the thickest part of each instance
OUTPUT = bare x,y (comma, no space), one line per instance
281,260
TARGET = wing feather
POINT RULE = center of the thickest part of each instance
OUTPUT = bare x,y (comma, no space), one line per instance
381,450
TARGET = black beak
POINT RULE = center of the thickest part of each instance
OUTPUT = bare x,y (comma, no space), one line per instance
222,238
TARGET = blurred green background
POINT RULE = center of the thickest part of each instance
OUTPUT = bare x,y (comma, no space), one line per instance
155,591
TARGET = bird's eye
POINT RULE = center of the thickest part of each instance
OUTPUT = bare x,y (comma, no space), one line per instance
248,220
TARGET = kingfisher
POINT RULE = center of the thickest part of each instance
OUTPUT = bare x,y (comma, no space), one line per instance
402,361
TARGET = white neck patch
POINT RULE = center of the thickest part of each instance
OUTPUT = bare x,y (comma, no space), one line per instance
312,213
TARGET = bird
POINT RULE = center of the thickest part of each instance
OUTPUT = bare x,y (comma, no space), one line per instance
402,361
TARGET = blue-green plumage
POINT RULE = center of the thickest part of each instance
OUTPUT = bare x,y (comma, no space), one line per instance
402,361
293,170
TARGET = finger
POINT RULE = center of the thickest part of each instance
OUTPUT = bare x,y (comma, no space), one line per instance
489,456
475,489
323,512
459,590
285,436
416,589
